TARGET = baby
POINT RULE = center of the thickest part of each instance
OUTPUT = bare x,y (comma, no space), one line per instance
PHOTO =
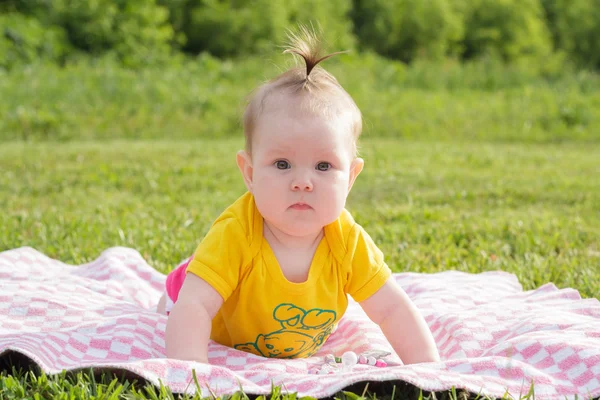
272,275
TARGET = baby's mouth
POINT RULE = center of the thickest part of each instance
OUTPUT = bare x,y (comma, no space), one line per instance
300,206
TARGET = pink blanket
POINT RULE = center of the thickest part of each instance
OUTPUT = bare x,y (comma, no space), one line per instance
493,337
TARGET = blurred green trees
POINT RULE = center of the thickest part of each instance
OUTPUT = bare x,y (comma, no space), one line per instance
407,29
139,32
510,29
227,28
575,28
25,39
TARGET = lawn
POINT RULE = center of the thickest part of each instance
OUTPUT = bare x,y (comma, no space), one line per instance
530,209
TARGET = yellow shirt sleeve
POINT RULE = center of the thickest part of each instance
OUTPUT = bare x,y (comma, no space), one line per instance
368,268
221,255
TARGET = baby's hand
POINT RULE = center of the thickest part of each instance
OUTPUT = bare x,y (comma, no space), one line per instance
190,320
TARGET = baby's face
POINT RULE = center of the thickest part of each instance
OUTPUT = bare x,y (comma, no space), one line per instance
301,170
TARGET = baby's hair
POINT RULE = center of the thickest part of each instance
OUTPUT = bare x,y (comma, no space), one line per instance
308,46
319,91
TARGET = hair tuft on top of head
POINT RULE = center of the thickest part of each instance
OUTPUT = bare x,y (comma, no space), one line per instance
312,90
307,44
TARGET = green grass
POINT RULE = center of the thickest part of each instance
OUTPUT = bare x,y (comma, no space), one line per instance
204,98
533,210
530,209
86,385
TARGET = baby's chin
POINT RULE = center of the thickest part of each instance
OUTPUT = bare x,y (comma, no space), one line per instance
300,232
298,229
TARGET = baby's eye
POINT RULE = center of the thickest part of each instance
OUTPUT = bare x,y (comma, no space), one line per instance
323,166
282,164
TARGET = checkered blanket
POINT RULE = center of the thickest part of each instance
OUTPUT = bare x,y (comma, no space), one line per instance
493,337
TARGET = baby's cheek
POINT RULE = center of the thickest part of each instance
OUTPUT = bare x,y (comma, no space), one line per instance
340,185
341,176
264,184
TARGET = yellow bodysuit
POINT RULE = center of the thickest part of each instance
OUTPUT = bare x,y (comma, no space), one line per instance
264,313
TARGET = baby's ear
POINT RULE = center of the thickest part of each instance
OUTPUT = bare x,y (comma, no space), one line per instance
355,168
244,162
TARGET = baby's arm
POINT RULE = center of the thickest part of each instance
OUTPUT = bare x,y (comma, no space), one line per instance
402,324
190,321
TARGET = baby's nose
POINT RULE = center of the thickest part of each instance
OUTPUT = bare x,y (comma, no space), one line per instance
302,184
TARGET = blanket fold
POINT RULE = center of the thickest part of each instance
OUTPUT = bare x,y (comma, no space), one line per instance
493,337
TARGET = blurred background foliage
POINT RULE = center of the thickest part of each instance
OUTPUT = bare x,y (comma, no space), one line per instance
139,32
500,70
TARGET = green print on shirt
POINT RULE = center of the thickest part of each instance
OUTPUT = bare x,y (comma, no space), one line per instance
301,334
